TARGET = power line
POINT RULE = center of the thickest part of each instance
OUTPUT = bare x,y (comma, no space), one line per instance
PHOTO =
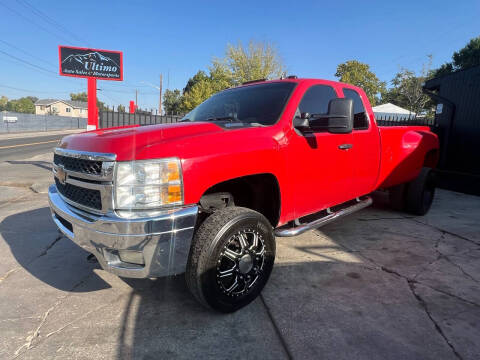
26,52
27,62
50,20
37,91
33,22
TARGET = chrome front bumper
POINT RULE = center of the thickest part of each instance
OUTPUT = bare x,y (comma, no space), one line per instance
163,238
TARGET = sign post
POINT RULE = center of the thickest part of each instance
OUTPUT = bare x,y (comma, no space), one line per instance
92,123
92,64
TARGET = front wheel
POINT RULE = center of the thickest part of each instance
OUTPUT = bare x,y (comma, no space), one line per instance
231,258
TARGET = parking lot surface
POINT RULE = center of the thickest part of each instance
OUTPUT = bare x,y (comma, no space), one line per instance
378,284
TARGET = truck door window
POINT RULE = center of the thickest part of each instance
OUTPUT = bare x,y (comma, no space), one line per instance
316,99
360,120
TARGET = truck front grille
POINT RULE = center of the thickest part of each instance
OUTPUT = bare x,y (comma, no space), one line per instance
86,197
90,167
85,179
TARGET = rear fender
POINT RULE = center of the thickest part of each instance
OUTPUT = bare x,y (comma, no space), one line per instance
405,153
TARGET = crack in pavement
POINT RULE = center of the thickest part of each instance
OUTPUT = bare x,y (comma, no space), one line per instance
8,273
443,230
383,218
276,328
29,340
45,251
423,303
447,258
411,284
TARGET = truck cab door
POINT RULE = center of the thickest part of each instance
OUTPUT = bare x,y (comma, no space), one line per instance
366,152
319,163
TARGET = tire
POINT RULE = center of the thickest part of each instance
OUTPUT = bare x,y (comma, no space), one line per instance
223,253
420,193
397,198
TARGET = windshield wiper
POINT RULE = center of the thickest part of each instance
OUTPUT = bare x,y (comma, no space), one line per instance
221,118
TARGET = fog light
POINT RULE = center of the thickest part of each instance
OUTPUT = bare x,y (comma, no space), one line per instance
131,256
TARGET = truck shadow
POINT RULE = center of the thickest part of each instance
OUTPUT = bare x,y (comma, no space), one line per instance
41,164
41,250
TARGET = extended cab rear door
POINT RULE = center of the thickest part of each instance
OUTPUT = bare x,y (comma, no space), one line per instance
366,144
319,166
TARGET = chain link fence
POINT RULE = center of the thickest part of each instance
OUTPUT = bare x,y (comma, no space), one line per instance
11,122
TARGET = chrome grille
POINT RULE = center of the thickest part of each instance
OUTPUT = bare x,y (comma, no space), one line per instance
86,197
78,165
85,179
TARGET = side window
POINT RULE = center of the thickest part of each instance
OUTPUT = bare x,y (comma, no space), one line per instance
360,120
316,99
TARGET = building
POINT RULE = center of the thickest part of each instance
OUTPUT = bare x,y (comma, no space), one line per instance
61,107
457,116
391,110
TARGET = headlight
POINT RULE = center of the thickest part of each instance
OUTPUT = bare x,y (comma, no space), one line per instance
148,184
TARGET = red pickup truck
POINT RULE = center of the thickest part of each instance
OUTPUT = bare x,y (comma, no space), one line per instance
207,196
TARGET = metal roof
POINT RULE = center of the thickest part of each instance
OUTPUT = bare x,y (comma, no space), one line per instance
390,109
73,104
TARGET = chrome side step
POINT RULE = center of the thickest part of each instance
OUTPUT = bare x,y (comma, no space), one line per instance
301,228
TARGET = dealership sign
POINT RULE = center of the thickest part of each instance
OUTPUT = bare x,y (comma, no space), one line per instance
91,63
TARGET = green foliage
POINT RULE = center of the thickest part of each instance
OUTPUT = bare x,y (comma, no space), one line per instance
407,90
468,56
198,94
199,76
23,105
121,108
82,96
258,60
172,101
359,74
3,103
465,58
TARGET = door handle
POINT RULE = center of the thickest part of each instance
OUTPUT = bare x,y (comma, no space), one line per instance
345,146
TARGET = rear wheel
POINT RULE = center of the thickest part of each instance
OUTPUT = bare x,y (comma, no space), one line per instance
231,258
397,197
420,193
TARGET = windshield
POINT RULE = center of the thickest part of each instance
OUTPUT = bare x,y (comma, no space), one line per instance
255,104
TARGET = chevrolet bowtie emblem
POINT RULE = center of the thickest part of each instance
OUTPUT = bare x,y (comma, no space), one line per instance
61,175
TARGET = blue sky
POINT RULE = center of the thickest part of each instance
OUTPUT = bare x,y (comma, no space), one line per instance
179,38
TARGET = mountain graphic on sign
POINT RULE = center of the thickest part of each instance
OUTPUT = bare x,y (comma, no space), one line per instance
93,56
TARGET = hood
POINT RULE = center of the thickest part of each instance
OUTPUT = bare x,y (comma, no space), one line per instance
126,142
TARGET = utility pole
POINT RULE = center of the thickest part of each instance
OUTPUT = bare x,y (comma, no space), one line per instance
160,98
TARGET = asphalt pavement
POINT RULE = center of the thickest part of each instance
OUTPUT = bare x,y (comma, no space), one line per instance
15,147
378,284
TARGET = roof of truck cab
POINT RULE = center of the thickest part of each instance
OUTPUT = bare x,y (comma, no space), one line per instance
302,80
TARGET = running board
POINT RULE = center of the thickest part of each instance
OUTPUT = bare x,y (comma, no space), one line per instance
297,230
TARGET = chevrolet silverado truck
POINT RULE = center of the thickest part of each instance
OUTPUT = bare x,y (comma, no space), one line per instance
208,195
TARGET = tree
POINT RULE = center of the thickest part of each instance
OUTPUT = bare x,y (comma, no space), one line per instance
3,103
172,101
82,96
356,73
465,58
121,108
22,105
407,89
199,76
198,94
79,97
258,60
